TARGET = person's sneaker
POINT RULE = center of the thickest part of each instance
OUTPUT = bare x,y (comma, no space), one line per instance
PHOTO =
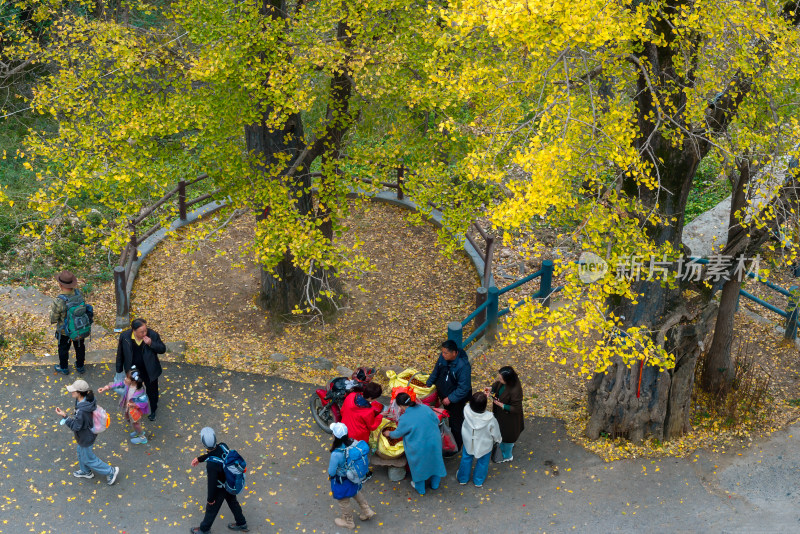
241,528
504,460
152,416
81,474
134,434
463,483
113,476
478,485
81,369
61,370
139,440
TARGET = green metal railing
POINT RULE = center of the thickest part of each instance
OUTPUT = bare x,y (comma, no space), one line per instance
487,310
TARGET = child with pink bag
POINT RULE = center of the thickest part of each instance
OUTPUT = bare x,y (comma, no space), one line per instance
133,402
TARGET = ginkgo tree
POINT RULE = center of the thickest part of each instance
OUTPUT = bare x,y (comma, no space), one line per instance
589,117
286,106
593,117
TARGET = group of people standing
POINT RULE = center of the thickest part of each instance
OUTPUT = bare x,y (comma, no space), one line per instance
478,432
138,369
138,365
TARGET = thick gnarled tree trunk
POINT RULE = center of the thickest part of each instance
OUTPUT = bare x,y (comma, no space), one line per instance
663,406
659,404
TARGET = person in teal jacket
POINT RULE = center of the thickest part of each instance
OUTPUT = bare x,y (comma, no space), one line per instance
419,427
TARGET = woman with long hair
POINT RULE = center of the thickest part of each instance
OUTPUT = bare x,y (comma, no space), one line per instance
507,398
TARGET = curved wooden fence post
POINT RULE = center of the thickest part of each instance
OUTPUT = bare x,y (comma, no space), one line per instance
400,172
121,296
487,261
182,199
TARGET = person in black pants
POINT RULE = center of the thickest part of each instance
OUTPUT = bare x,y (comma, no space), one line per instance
140,346
216,490
67,282
452,376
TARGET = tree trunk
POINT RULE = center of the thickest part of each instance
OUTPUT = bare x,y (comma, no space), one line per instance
719,367
660,405
284,287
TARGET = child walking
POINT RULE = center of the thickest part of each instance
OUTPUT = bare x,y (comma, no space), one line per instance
81,424
133,402
480,432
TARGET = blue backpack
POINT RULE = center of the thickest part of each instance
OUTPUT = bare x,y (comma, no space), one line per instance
356,462
234,467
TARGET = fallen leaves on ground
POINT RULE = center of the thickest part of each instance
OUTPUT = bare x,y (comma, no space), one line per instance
396,313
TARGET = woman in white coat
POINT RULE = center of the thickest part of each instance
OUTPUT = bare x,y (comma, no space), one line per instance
480,432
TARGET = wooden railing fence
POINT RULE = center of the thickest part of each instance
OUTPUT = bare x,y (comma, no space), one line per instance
131,251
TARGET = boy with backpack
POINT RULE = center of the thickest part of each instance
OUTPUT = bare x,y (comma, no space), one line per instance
73,320
225,470
347,471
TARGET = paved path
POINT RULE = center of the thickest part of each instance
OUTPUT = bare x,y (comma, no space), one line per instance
267,420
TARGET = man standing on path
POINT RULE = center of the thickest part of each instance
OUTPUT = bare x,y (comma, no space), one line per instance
68,296
140,346
452,376
216,485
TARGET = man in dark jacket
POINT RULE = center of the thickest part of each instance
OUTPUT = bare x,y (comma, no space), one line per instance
216,489
452,376
140,346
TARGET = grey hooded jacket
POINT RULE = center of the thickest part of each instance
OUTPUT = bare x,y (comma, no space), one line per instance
81,423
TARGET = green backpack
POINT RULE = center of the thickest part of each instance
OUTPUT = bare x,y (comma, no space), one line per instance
78,322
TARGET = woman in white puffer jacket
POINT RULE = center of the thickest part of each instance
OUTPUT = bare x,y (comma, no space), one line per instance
480,432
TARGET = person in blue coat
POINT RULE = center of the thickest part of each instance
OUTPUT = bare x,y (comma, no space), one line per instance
452,376
419,427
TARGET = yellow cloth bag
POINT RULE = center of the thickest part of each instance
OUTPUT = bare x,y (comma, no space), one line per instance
402,379
384,448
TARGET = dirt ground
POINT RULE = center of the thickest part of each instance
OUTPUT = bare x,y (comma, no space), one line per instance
397,312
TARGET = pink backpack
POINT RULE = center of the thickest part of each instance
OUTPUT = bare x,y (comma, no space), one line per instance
100,420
